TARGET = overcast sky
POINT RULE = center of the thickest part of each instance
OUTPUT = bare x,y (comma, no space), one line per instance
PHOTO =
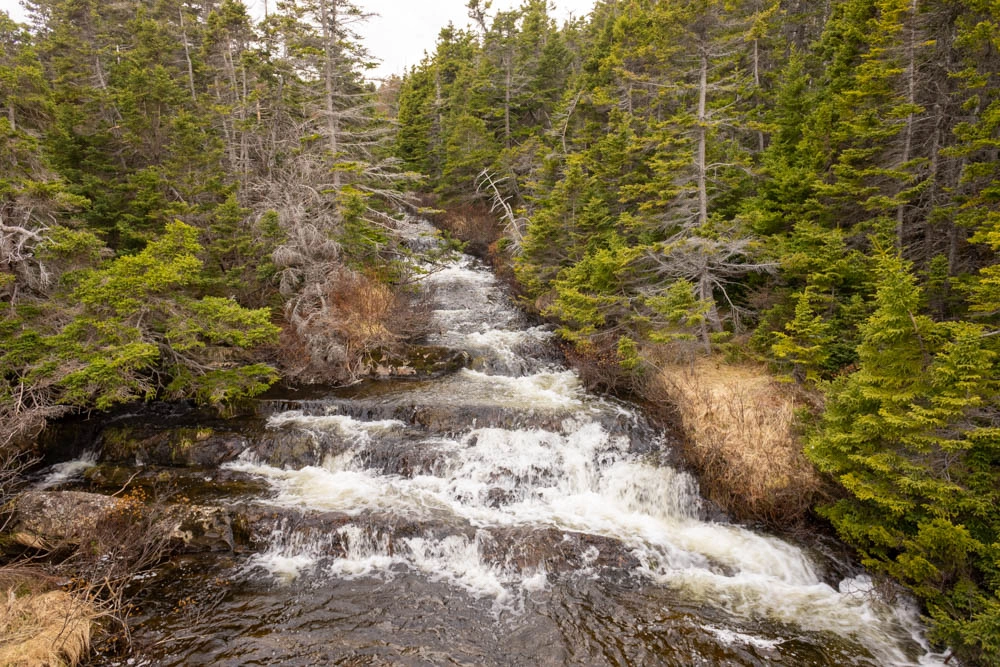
403,29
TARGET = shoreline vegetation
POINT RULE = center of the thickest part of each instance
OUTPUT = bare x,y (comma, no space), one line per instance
742,436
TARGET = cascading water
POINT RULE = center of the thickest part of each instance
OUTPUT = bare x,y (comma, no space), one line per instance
503,516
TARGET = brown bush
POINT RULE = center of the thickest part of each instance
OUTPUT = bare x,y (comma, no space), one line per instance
41,626
334,329
599,366
472,223
740,435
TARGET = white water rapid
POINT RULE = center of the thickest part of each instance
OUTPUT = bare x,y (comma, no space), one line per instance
537,458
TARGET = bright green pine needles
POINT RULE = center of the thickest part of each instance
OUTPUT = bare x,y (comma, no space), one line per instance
137,329
908,436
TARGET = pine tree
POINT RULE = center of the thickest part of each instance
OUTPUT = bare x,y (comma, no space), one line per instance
806,345
909,435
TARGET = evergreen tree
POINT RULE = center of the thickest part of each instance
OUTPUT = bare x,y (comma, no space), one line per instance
806,345
907,435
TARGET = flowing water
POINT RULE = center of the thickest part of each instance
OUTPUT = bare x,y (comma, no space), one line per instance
499,515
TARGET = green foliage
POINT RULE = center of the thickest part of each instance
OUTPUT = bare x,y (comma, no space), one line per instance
163,165
469,148
677,312
361,238
911,436
628,355
127,286
223,387
135,330
590,294
678,171
805,343
217,321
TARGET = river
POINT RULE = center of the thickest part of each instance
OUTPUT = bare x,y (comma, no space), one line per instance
498,515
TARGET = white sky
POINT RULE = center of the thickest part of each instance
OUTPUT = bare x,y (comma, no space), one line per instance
403,29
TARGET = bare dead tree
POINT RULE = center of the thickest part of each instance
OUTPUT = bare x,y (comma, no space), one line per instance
711,265
514,225
18,244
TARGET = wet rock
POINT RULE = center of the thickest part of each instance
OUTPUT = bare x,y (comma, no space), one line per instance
258,526
194,447
194,528
497,497
46,518
295,449
527,548
396,456
423,361
261,526
194,484
67,438
454,419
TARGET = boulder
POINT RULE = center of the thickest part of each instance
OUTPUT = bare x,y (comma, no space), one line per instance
196,485
172,446
197,528
46,518
526,548
418,361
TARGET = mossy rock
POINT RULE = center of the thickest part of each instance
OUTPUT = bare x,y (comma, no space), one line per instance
418,361
195,484
180,446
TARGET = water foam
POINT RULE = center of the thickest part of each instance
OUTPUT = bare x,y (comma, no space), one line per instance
546,389
290,554
67,471
577,478
355,430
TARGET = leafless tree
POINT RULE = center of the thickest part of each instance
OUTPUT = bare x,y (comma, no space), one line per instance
711,265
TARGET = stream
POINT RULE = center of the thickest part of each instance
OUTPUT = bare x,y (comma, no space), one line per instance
496,515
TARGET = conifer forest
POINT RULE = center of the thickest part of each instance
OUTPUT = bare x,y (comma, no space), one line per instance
206,207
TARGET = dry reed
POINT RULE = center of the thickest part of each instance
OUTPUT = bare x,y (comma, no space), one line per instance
739,427
44,629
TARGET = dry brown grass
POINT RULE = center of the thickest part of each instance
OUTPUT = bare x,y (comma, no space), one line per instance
40,625
740,435
44,629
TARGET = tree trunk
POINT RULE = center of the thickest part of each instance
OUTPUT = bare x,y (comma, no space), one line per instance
506,105
911,99
328,18
187,56
244,135
761,141
712,319
933,188
701,160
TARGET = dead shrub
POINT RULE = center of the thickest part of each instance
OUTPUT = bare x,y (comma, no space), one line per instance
474,224
130,538
336,327
739,428
52,596
14,462
599,366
